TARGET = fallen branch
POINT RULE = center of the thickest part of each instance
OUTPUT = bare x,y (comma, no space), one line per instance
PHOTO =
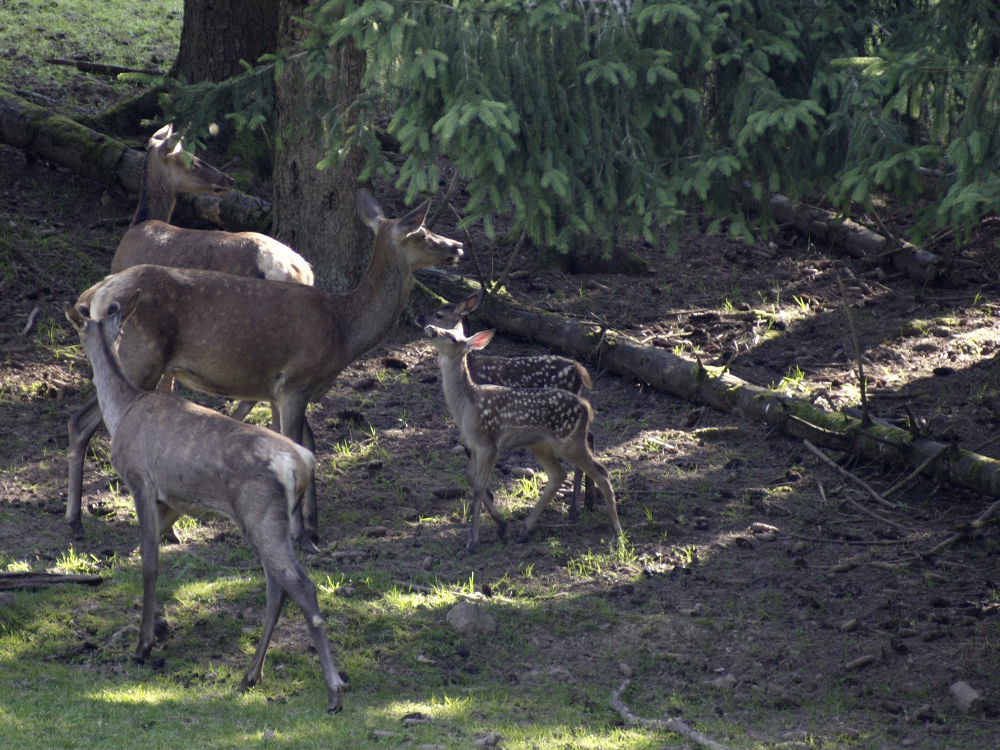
85,66
677,726
716,387
988,514
848,475
30,580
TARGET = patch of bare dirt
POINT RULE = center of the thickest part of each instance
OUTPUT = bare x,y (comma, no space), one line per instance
758,576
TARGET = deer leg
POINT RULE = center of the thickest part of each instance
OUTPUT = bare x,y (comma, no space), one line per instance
145,508
275,601
599,474
292,417
588,488
81,428
167,516
242,410
556,474
285,577
478,471
574,504
166,384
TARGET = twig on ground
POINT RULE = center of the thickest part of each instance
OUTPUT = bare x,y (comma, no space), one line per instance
678,726
857,480
913,475
977,524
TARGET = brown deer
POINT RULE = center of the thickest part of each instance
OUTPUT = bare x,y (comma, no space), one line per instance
258,340
538,371
183,458
170,170
493,420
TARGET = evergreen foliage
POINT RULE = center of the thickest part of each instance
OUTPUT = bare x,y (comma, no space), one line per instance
601,119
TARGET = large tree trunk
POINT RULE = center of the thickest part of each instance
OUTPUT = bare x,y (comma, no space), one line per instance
315,210
218,34
718,388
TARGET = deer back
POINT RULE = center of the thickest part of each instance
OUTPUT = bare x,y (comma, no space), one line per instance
222,334
239,253
198,460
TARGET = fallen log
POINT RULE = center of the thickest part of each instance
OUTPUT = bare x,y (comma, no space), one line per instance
715,386
86,152
857,240
31,580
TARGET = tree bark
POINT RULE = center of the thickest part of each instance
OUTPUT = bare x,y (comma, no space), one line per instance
612,350
113,162
315,210
217,35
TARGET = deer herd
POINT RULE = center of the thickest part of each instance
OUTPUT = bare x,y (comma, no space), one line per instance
217,312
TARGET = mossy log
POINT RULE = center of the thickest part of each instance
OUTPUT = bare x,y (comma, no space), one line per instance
614,351
97,156
857,240
32,580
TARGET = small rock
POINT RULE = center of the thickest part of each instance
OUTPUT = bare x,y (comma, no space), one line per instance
409,514
625,670
374,531
416,719
469,619
489,740
268,735
849,626
522,472
966,698
427,563
726,681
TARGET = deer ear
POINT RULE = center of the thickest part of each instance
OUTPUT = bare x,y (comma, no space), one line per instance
131,305
369,210
481,339
161,136
469,304
74,316
415,219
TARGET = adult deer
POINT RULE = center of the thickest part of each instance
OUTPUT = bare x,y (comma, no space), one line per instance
170,170
184,458
494,419
537,371
259,340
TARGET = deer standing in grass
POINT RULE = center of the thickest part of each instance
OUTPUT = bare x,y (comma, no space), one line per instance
538,371
168,170
175,455
257,340
493,420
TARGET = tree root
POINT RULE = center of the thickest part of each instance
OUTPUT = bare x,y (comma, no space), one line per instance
677,726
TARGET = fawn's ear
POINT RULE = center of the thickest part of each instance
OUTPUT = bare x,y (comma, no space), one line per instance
481,339
470,303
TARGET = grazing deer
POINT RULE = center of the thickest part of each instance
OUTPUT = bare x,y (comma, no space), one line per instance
170,170
539,371
494,419
183,458
257,340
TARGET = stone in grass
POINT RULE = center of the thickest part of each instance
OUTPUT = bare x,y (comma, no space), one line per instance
469,619
967,699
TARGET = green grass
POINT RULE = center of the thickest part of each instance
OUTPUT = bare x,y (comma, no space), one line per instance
117,32
392,643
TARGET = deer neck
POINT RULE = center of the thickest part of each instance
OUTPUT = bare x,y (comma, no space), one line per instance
156,200
373,307
115,393
459,390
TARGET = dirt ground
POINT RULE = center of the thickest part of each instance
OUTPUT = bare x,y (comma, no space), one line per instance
759,577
